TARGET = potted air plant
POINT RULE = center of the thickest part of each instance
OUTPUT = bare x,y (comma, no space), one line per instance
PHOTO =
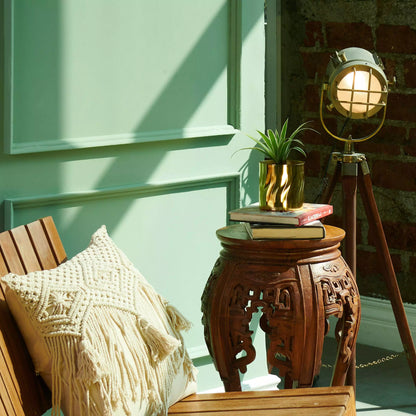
281,179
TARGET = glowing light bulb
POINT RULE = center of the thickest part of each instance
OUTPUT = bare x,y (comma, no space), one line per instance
359,92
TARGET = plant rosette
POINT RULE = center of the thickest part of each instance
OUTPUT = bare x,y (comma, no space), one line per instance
281,179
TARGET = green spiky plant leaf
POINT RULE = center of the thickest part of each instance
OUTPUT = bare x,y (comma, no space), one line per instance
277,145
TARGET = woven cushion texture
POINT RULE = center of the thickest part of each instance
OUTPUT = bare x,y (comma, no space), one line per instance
103,339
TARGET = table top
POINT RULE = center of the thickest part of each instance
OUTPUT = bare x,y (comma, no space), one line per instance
236,234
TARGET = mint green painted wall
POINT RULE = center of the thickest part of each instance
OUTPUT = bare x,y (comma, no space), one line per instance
128,113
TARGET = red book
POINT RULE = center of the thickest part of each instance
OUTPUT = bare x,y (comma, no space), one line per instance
308,213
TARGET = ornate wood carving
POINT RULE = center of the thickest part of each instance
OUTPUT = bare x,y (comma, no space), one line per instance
341,299
294,296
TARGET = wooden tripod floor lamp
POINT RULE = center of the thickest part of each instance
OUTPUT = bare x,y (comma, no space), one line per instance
357,88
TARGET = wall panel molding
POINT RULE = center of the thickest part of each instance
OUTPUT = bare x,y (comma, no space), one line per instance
234,63
38,144
121,139
230,181
200,351
378,326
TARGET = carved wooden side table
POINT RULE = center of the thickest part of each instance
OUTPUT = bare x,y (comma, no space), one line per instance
296,285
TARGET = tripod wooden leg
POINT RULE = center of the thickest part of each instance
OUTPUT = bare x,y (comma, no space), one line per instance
331,180
349,187
367,196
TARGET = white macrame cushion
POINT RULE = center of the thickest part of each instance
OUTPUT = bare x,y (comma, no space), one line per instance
102,338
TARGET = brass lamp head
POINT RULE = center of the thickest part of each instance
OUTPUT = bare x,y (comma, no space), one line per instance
357,85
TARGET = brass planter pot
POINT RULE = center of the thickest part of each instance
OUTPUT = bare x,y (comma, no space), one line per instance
281,187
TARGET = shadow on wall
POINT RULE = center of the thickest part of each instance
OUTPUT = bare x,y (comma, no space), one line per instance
181,83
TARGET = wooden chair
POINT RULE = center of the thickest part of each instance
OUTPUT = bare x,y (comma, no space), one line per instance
37,246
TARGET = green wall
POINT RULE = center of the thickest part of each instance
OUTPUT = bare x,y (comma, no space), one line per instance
128,113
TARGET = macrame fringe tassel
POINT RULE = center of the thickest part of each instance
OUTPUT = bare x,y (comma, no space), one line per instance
88,364
156,405
160,345
120,359
178,321
65,351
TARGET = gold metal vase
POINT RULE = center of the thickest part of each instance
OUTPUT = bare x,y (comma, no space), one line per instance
281,186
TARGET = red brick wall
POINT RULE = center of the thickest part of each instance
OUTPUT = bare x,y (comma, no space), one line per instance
311,33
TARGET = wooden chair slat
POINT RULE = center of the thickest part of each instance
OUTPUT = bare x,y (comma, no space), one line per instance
3,266
27,392
268,412
9,400
314,391
41,245
323,401
10,254
6,364
274,400
25,248
54,239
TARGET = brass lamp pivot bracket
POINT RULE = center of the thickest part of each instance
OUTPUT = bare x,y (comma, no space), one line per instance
349,140
349,163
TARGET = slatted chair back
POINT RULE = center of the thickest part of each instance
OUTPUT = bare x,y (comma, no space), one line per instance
31,247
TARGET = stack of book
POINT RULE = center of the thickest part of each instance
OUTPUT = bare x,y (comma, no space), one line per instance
300,224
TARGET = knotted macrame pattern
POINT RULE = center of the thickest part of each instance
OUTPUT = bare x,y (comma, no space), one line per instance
114,342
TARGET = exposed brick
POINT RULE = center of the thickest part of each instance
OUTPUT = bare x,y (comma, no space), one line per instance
344,35
401,107
338,221
368,262
396,39
390,151
315,63
411,237
387,141
379,148
390,68
334,220
312,98
409,69
317,136
313,34
412,266
390,134
410,147
394,175
313,164
359,129
400,236
332,126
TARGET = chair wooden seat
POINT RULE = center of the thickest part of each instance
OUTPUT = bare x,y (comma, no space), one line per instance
322,401
37,246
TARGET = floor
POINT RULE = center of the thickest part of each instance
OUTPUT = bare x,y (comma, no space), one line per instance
386,389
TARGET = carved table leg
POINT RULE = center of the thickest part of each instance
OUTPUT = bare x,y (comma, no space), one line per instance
341,299
290,319
349,331
227,331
